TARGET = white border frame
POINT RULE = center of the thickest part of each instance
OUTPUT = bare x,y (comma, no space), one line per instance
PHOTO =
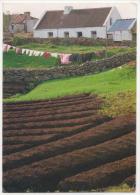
138,78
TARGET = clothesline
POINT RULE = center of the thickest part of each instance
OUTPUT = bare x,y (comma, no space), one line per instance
64,58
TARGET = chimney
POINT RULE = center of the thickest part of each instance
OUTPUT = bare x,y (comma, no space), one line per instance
67,9
27,14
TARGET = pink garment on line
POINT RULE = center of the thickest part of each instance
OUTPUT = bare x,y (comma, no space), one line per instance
8,47
18,50
5,46
65,58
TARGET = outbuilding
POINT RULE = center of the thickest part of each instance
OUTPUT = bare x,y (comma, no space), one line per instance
123,30
21,23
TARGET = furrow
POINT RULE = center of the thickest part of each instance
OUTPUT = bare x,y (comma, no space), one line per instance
55,123
93,136
103,176
30,139
34,106
49,117
55,100
42,110
46,174
131,180
46,102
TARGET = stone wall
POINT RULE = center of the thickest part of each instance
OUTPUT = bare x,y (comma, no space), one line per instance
71,41
22,80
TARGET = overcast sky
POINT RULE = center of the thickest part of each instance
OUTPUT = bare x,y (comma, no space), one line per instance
127,10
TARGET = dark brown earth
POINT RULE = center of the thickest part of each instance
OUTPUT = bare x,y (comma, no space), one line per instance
65,144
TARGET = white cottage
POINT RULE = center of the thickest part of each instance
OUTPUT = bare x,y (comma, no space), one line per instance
71,22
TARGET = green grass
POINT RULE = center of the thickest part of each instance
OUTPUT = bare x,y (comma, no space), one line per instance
107,83
62,48
119,50
13,60
74,48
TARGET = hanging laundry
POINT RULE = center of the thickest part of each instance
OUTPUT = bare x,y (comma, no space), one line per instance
35,53
5,47
18,50
23,51
47,55
54,55
31,52
65,58
27,51
13,47
42,53
8,47
38,53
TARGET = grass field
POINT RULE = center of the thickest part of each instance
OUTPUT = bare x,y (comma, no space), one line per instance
72,48
12,60
62,48
113,81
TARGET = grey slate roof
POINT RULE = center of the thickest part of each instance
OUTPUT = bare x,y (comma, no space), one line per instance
121,25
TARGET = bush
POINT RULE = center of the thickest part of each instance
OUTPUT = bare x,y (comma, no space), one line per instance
19,41
120,104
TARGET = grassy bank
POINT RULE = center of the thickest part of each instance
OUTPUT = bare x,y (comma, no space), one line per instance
73,48
111,82
12,60
62,48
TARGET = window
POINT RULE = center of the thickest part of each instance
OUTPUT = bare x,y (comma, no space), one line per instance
66,34
94,34
50,34
12,26
110,21
109,36
79,34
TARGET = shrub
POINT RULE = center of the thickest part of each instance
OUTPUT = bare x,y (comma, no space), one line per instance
19,41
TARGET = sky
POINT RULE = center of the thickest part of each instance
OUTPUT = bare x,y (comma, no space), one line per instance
37,8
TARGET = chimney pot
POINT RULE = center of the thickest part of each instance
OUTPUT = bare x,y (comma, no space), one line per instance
27,14
67,9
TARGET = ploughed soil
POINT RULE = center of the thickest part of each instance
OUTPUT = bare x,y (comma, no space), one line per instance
65,144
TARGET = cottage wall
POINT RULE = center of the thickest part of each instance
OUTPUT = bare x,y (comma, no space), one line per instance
114,15
122,36
86,32
126,35
30,25
17,28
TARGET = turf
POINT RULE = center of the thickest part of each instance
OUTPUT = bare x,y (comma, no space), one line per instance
73,48
62,48
121,79
12,60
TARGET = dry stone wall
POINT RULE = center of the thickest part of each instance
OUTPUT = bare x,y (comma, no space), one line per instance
22,80
72,41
